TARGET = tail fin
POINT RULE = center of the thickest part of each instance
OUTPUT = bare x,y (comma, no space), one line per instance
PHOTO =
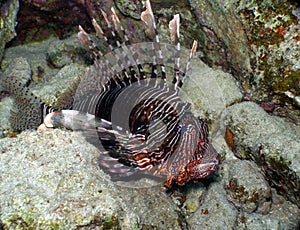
29,110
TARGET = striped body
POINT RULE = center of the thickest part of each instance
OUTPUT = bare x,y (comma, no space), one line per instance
135,118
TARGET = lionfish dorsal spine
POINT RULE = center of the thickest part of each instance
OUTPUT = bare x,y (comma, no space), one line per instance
88,44
118,27
174,26
119,38
187,66
151,31
95,53
98,29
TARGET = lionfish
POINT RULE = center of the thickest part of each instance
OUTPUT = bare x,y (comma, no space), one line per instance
137,117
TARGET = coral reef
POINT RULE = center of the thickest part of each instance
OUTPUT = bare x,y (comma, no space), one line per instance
50,180
8,17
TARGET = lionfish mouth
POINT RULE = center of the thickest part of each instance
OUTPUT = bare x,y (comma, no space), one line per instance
133,115
206,169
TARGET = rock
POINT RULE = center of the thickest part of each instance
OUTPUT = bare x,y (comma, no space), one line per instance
30,64
210,91
51,179
257,41
34,54
283,216
245,201
221,33
273,38
272,143
67,51
8,20
67,186
215,211
153,207
6,105
286,213
18,67
41,20
59,91
246,187
195,194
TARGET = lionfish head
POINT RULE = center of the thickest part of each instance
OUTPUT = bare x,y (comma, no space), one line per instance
198,158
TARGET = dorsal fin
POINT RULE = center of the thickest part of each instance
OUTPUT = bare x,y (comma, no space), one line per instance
174,25
90,46
118,26
122,58
98,29
118,33
128,54
102,64
111,31
184,75
147,17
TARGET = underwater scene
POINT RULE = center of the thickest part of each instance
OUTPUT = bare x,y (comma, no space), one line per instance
149,114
